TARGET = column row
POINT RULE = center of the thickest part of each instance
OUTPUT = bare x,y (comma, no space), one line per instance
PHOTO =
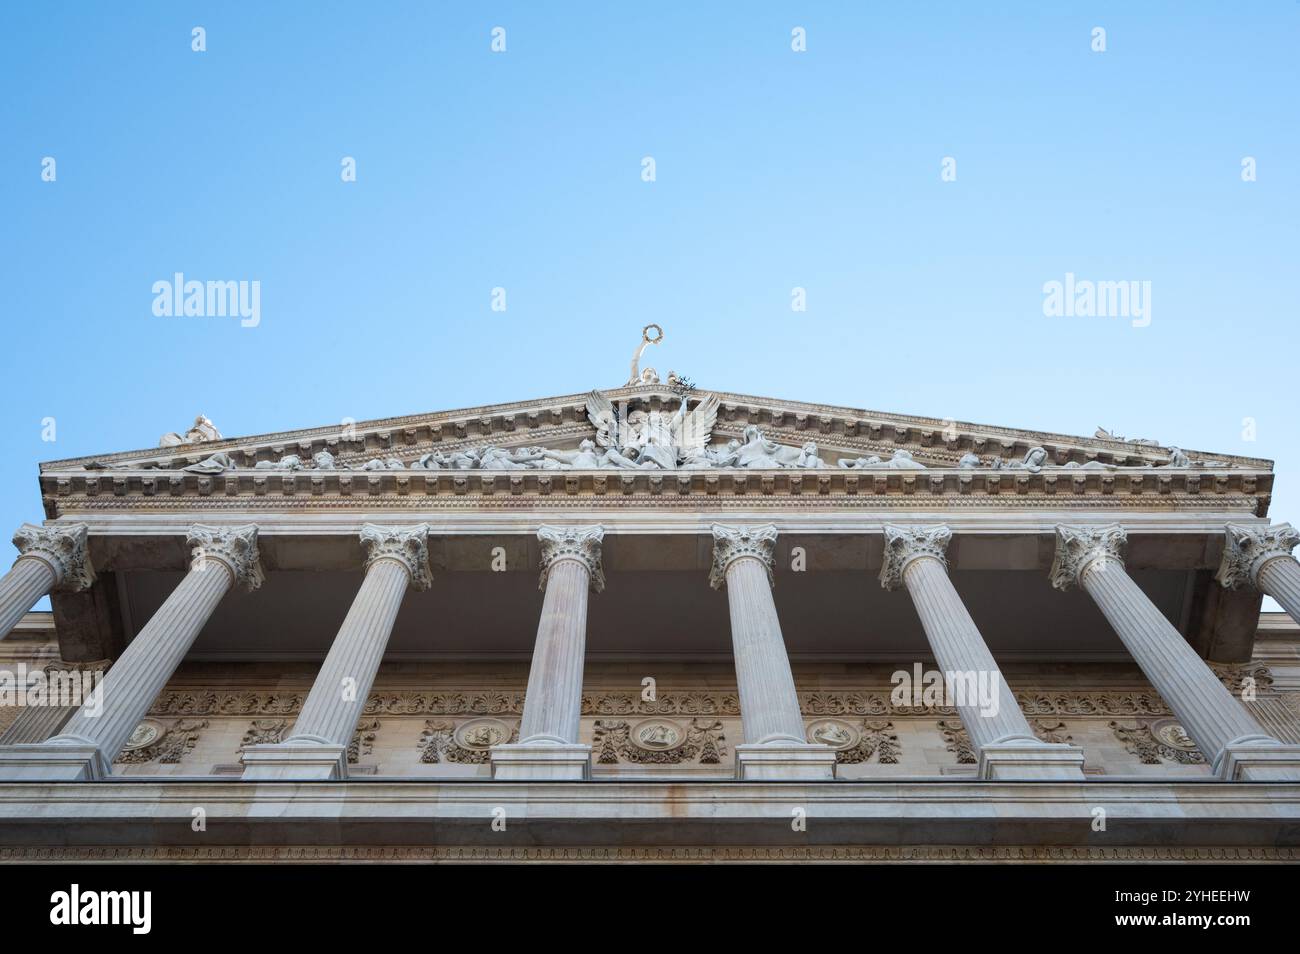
774,747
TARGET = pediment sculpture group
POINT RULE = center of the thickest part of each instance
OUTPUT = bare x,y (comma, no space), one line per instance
654,440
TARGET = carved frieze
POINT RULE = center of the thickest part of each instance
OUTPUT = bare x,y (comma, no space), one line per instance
273,732
166,743
701,702
1239,678
664,703
1159,741
1051,732
363,739
469,743
419,494
854,745
957,741
265,732
658,742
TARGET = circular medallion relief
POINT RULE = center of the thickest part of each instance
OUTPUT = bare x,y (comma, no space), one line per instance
146,733
657,735
833,732
482,734
1170,733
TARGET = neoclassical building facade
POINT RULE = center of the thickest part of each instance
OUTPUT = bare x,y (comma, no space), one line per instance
654,623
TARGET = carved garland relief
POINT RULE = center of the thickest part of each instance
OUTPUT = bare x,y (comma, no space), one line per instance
678,727
166,743
658,742
1156,742
273,731
857,744
469,743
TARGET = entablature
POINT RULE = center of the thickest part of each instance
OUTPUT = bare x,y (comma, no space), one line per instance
68,493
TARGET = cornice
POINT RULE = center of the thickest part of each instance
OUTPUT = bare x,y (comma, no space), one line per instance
72,493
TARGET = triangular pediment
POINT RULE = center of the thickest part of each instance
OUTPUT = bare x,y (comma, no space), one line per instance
562,422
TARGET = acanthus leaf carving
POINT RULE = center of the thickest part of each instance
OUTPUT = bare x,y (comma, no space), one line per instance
1246,549
1077,548
63,548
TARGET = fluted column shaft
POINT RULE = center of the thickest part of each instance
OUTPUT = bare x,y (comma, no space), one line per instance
548,746
958,647
395,558
775,745
553,705
36,724
20,588
769,703
1235,745
338,696
1206,709
1280,579
143,669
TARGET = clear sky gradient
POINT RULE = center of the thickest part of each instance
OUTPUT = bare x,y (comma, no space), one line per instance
523,170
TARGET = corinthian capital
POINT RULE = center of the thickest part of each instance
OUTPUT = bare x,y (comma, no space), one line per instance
732,543
408,546
1247,549
572,543
63,548
234,547
905,544
1078,547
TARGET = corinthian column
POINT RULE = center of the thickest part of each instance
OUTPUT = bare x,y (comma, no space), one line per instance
49,558
1261,557
916,557
548,734
776,745
92,738
396,557
1228,736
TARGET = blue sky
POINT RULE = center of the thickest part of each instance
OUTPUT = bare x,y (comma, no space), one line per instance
523,170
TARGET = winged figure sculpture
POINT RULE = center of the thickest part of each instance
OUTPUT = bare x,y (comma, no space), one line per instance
655,438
